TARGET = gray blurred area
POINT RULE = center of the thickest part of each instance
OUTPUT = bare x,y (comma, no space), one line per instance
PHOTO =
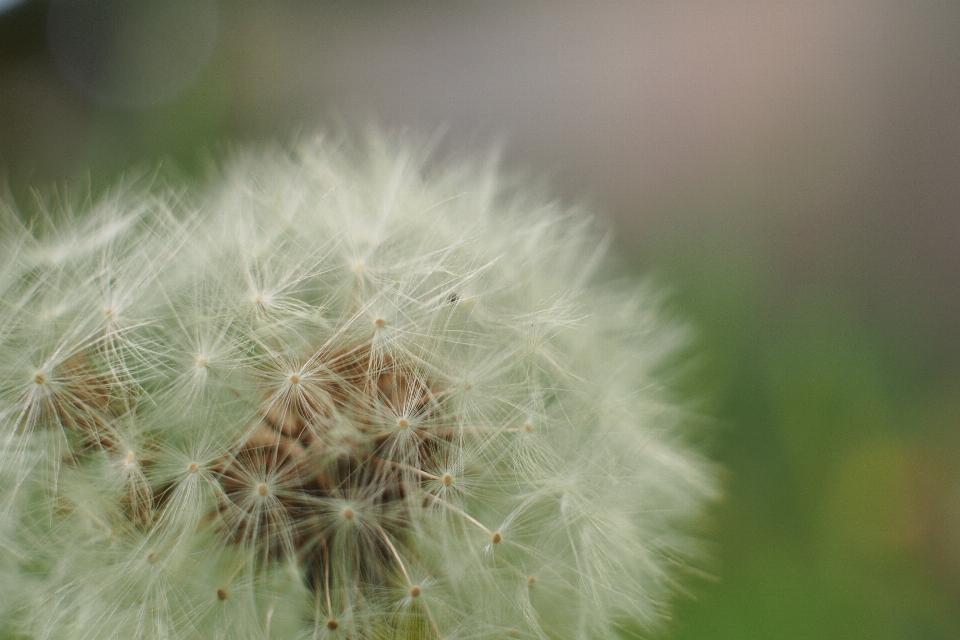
791,170
821,126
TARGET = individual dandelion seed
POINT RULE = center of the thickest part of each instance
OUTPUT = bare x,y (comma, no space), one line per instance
340,392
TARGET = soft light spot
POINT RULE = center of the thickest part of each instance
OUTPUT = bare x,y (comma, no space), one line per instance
358,267
263,489
193,468
332,624
403,423
415,592
201,363
447,479
348,513
131,458
379,323
496,537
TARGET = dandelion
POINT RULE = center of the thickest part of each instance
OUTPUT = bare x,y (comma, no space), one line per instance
337,394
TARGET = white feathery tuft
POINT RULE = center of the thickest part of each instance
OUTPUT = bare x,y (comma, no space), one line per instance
341,393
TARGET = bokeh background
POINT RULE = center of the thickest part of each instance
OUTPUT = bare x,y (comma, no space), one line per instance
789,170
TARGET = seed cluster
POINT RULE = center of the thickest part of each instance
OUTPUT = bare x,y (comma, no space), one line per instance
348,436
336,394
346,430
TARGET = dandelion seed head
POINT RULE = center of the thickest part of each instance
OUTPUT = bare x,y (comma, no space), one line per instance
376,397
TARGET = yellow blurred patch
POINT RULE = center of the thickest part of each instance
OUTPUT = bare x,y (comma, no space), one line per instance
869,502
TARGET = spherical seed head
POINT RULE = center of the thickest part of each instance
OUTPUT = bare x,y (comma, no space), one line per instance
241,345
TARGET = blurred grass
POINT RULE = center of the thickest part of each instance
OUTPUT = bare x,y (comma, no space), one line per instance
822,532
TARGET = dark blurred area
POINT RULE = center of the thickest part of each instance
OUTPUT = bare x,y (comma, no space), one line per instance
791,171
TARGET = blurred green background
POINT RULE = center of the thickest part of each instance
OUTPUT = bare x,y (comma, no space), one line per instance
790,171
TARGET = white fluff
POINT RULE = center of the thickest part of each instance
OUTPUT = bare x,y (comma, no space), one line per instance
337,395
